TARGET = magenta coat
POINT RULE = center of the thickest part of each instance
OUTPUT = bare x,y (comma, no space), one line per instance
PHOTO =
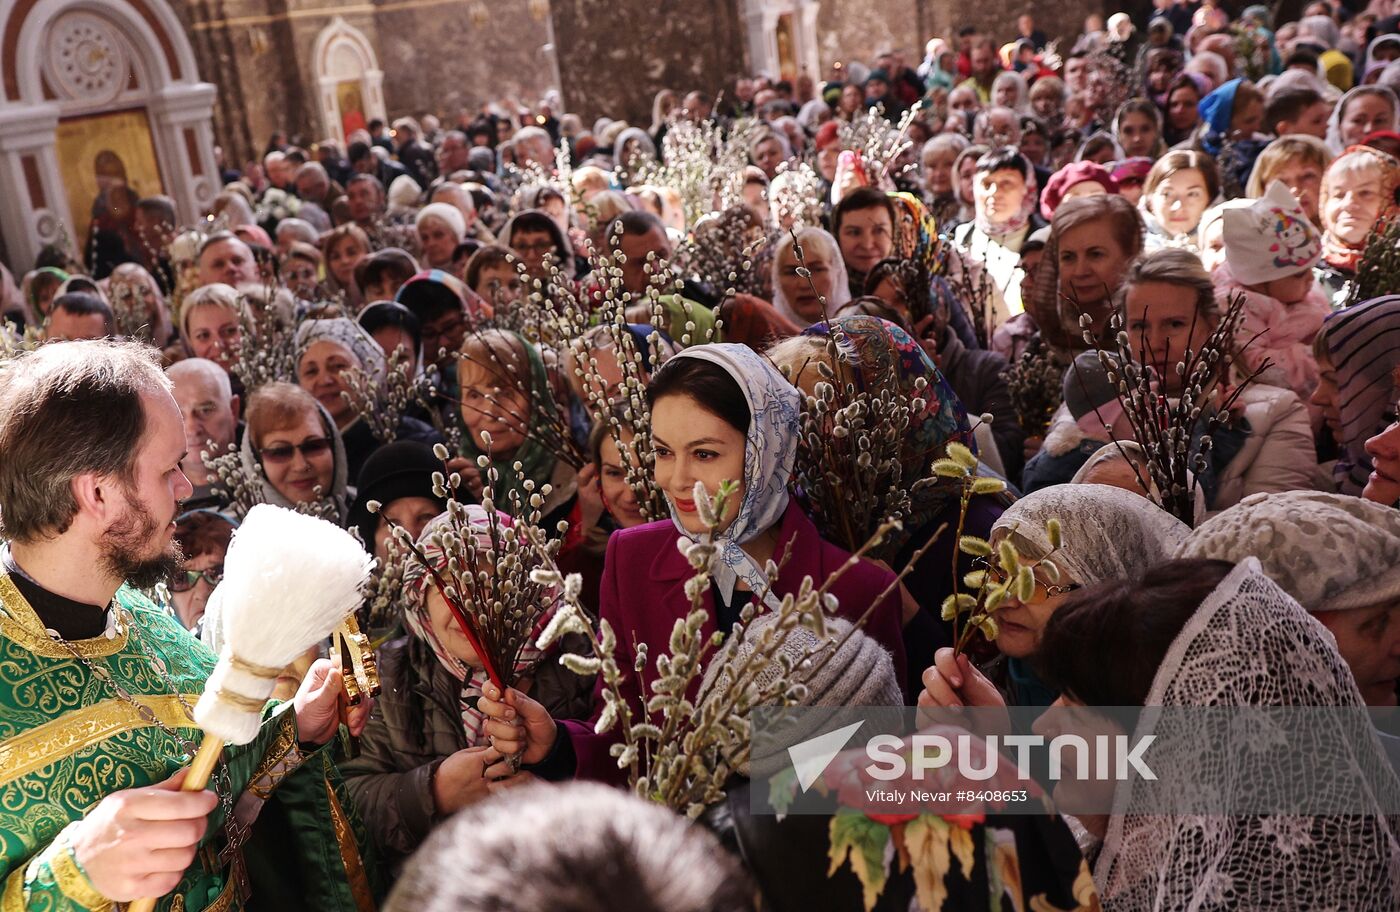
643,595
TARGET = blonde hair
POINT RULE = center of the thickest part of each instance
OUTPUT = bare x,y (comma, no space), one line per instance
215,295
1279,153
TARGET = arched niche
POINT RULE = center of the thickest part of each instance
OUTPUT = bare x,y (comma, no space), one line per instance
782,37
100,100
350,85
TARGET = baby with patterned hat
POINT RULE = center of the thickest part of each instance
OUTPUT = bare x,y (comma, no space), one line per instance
1270,251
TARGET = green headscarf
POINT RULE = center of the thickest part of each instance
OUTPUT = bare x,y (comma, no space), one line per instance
536,461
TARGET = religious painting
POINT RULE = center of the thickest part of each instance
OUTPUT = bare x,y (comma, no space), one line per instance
787,52
352,106
108,162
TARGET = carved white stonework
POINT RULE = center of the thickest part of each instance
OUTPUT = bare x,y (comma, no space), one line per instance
95,56
761,26
343,53
88,58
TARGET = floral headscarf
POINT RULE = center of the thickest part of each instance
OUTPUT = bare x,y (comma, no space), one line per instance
417,579
880,355
1335,251
1363,345
350,336
769,452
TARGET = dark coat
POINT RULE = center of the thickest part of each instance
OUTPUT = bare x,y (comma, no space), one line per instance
976,376
360,441
416,724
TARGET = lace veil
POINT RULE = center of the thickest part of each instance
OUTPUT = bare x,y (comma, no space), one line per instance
1251,644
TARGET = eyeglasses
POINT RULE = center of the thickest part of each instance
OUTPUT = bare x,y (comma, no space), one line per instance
282,452
1042,590
185,580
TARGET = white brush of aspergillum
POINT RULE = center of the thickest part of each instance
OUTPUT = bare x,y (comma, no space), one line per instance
289,581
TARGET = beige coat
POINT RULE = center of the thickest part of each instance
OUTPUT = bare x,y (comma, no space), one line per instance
1278,455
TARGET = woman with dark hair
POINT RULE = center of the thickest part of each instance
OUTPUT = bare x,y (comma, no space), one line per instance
1181,186
864,224
394,327
1004,200
1169,305
532,235
1192,635
719,413
1182,107
1138,128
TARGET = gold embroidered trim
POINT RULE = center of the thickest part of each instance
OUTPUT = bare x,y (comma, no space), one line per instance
13,899
349,853
72,881
225,899
282,757
81,728
28,630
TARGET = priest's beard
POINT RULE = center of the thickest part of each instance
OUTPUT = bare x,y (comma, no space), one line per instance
126,547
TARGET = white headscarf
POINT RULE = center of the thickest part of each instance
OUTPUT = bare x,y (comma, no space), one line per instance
646,149
840,280
1331,552
1022,104
1334,123
1250,644
769,452
1107,532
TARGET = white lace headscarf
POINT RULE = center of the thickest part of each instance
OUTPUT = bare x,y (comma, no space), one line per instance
1106,532
1331,552
769,452
1250,644
812,239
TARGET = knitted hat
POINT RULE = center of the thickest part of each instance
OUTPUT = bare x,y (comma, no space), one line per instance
449,215
828,134
403,468
1086,384
1271,239
1331,552
861,673
1132,169
1067,177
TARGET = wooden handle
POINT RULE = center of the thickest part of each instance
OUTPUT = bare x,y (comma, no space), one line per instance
197,778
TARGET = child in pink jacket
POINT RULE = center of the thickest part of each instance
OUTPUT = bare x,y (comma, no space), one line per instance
1270,251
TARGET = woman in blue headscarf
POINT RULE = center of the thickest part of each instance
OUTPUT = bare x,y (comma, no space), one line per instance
1230,120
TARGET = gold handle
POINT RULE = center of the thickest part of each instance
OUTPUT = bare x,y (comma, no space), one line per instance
197,778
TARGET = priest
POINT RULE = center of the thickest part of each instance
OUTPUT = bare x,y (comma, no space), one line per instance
97,685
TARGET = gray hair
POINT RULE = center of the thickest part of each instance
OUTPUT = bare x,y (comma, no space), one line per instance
202,369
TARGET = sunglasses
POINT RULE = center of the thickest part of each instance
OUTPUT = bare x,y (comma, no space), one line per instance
185,580
282,452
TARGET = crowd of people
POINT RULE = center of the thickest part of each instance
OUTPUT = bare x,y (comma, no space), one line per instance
1104,325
